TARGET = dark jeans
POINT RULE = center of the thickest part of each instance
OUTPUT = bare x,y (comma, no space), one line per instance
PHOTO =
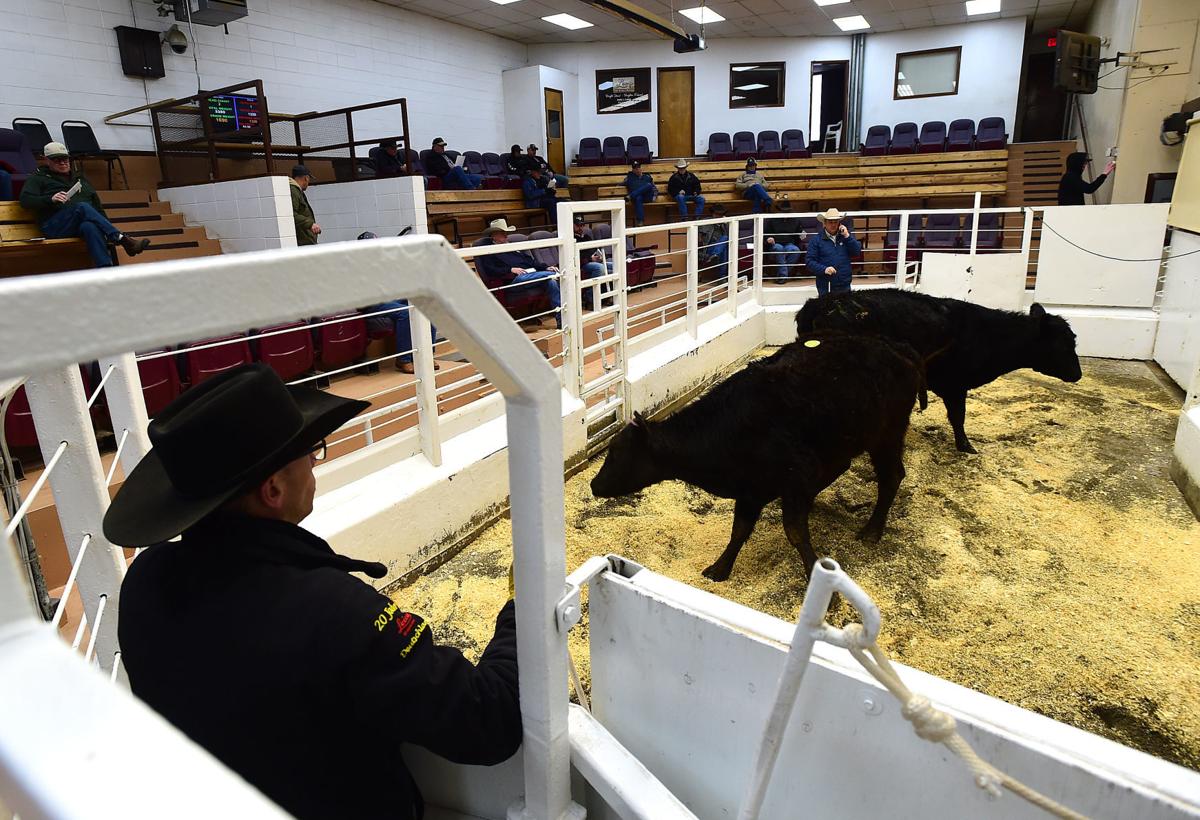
831,284
458,179
759,196
682,201
5,185
542,280
547,200
84,221
639,195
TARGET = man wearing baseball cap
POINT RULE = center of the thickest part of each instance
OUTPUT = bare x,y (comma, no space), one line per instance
67,206
307,229
532,158
251,636
753,186
640,189
453,177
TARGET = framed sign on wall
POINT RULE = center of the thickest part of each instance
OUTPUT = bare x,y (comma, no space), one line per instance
623,91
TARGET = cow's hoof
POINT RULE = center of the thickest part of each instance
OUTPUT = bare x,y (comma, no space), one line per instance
716,573
870,534
965,447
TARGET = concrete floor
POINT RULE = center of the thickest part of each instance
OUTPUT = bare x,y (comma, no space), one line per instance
1056,570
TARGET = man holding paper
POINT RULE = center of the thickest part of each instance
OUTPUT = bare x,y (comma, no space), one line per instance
67,206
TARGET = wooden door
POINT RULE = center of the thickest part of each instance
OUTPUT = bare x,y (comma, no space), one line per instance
555,144
676,112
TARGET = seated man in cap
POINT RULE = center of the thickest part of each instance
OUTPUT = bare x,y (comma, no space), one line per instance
684,187
831,252
387,160
538,193
516,163
250,634
592,262
713,239
517,267
640,189
67,206
753,186
783,243
307,229
452,176
534,160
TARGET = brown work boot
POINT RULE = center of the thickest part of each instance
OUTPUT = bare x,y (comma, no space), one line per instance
133,246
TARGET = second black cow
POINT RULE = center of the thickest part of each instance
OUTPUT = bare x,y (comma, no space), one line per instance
964,345
784,427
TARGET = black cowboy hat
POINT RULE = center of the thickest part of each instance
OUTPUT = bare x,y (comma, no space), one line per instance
214,441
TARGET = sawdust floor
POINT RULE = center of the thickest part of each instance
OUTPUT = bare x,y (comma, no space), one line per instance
1056,570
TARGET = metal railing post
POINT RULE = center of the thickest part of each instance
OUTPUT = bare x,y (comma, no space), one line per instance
1026,238
620,290
428,423
758,258
572,304
59,404
901,249
693,282
731,264
975,223
127,407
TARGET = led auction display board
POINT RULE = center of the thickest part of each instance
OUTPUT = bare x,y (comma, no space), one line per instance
234,112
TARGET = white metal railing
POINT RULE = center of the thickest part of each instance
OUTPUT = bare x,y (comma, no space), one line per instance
258,299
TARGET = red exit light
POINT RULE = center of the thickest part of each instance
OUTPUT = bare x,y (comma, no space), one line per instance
1051,41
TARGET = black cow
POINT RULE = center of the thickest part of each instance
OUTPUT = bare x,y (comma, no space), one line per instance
964,345
784,427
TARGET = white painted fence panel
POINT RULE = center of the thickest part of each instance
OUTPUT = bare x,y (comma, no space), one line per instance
992,280
1177,346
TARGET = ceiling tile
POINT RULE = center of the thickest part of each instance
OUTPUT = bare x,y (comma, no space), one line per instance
917,17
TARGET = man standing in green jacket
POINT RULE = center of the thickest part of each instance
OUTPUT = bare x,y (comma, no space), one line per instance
67,206
307,228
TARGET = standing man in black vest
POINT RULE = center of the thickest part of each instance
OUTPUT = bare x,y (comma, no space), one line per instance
250,634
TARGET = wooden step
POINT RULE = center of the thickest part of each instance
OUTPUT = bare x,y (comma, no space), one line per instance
147,222
185,250
117,199
149,208
168,236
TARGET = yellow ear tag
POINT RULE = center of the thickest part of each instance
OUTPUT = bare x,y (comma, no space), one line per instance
812,343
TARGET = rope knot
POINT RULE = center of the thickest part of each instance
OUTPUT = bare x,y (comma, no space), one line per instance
928,722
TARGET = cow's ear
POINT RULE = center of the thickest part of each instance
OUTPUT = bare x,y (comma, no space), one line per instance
638,420
1037,311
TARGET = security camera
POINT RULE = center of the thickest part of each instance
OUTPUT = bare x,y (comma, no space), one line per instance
176,39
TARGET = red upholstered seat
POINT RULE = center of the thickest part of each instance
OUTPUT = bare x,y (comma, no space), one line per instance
207,362
720,147
160,382
341,343
290,354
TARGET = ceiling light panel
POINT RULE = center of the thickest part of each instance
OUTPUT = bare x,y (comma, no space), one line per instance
567,21
855,23
702,15
983,6
830,2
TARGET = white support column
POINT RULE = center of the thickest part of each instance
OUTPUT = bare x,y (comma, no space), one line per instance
127,407
758,258
572,303
975,223
60,409
731,259
427,404
693,282
1027,238
901,248
621,269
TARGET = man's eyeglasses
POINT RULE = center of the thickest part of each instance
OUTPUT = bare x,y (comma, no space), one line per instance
318,451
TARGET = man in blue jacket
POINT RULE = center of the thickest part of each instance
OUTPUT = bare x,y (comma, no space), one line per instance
516,267
538,191
830,252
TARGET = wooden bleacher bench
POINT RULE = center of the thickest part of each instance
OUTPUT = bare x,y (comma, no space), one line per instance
462,215
23,249
825,178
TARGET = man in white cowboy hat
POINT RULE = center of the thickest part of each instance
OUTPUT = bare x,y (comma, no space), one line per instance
251,635
684,187
830,253
516,267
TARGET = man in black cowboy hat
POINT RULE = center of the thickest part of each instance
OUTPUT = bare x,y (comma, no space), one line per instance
250,635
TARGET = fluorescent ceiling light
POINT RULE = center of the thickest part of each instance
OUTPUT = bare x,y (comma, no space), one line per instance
830,2
854,23
503,2
702,14
567,21
983,6
751,87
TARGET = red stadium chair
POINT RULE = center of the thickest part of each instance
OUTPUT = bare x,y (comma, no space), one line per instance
720,147
288,354
341,343
160,382
207,362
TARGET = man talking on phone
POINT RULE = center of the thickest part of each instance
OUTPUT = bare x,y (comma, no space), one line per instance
830,253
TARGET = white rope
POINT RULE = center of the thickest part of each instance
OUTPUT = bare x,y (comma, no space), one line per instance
934,725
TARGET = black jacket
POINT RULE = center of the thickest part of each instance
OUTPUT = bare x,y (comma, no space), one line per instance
251,637
499,265
1071,187
786,230
517,164
685,183
437,164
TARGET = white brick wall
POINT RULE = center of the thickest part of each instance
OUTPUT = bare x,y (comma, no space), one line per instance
383,206
59,60
244,214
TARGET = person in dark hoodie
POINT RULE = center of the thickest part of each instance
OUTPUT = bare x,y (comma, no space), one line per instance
64,211
1071,187
252,637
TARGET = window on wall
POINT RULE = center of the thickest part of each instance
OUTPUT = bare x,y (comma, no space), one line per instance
931,73
756,85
